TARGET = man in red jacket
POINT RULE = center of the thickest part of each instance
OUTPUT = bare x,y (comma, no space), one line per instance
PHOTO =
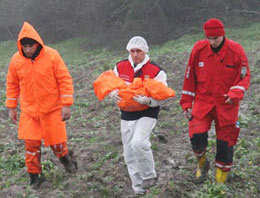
216,78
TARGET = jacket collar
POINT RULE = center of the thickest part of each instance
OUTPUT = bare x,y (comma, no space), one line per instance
221,52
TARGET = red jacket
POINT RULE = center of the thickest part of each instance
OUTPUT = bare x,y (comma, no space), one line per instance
210,75
126,71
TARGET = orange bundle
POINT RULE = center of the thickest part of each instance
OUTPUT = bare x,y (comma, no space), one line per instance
107,82
126,94
157,90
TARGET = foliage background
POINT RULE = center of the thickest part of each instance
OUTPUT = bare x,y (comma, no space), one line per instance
107,22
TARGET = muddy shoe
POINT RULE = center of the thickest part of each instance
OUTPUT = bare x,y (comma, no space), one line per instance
69,162
140,193
202,172
148,183
36,180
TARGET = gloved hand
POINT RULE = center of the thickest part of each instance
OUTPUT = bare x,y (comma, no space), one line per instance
142,99
114,95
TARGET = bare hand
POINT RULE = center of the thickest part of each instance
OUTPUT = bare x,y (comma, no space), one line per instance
228,99
65,112
187,113
13,115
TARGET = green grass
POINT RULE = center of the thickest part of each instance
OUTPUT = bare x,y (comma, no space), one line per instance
89,126
7,49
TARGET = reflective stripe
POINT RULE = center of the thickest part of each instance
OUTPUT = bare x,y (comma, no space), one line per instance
30,153
58,152
238,87
188,72
11,98
223,166
199,154
188,93
66,95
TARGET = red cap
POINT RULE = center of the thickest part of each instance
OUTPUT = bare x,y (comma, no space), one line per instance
213,27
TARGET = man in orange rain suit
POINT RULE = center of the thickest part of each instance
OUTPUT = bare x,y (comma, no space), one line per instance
39,79
216,78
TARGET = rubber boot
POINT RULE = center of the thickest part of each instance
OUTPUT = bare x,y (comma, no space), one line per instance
202,169
221,176
69,163
36,180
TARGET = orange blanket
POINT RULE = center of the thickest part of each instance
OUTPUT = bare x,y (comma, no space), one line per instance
108,81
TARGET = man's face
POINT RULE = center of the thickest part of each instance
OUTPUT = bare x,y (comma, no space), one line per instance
215,41
29,50
137,55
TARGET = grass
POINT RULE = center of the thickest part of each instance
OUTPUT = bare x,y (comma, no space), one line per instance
94,129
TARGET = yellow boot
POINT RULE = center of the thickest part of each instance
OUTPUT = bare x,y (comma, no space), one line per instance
221,176
202,169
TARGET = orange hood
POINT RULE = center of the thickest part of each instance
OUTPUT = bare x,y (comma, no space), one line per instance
29,32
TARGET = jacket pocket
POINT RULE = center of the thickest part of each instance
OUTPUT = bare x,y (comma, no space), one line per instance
230,73
201,81
201,75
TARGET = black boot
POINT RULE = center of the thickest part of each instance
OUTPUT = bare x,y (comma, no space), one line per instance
69,162
36,180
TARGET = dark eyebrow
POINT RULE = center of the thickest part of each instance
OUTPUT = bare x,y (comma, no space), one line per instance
212,37
30,45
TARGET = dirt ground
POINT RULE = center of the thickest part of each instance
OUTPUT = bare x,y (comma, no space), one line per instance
95,139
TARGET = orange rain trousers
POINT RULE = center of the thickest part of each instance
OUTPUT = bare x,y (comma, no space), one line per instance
33,154
48,127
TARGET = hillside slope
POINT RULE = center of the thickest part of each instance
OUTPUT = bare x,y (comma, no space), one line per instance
95,137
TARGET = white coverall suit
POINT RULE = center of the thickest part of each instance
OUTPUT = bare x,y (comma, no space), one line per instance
135,138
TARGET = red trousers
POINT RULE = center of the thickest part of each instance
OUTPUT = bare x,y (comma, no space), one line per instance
33,154
226,138
227,133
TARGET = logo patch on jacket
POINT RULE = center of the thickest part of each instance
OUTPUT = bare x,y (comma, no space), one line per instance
201,64
243,72
124,77
188,72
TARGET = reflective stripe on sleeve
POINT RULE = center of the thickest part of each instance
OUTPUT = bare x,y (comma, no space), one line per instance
188,93
11,98
30,153
66,95
238,87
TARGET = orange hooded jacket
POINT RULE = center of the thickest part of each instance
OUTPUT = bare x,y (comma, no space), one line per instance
42,86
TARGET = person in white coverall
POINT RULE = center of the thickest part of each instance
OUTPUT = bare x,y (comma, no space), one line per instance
136,126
